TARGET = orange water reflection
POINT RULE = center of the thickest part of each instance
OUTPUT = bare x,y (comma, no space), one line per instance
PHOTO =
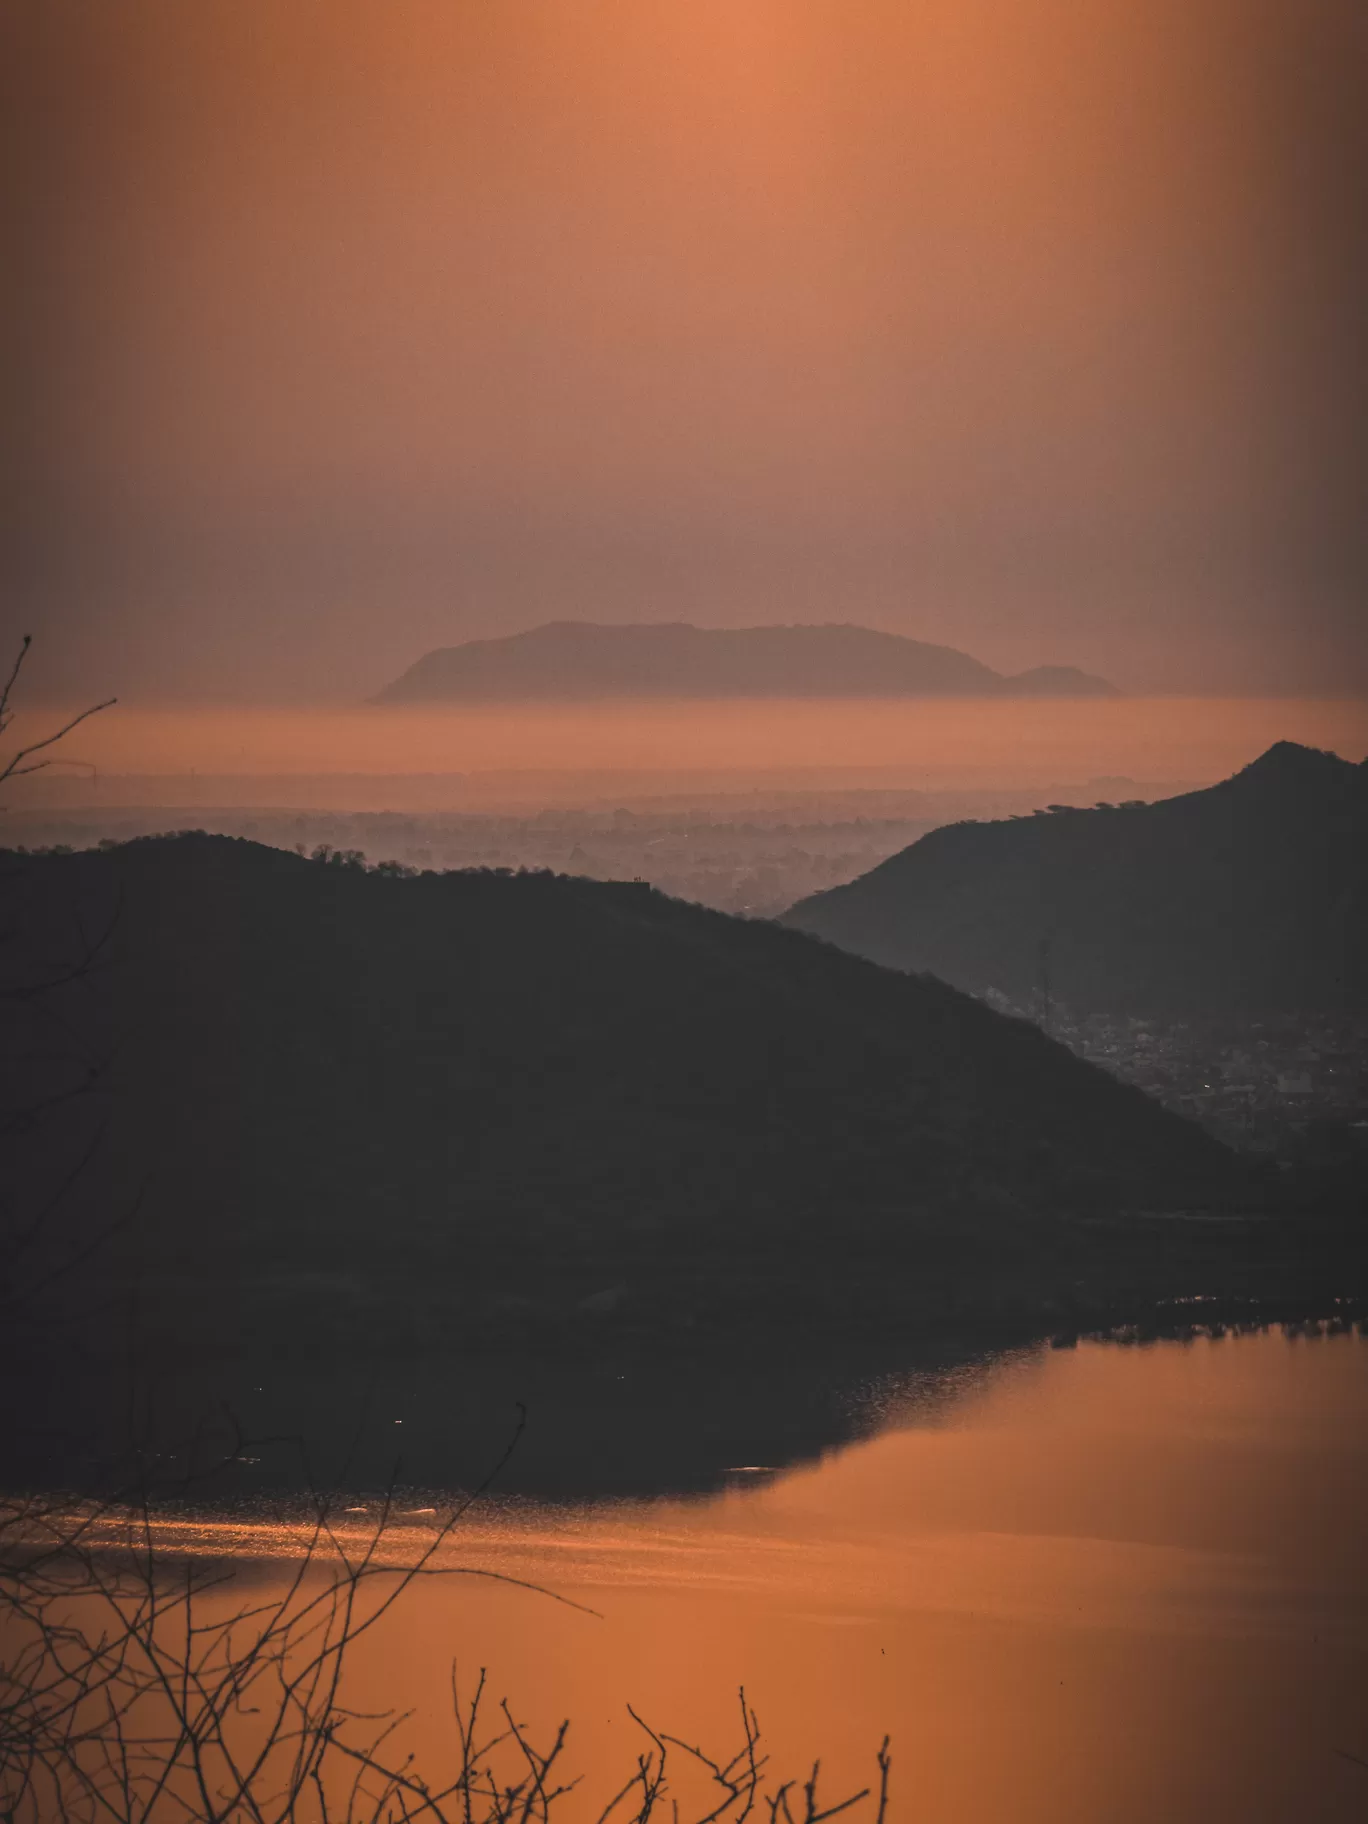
1111,1583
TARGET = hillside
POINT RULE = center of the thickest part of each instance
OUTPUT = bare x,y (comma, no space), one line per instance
578,659
1248,897
317,1069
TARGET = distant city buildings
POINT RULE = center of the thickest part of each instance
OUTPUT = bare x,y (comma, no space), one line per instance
1258,1085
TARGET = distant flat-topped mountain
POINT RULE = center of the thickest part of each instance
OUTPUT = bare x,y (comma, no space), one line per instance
1248,897
580,659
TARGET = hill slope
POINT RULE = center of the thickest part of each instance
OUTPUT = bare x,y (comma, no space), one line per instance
328,1069
578,659
1248,897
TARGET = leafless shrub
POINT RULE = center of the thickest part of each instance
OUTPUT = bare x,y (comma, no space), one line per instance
133,1689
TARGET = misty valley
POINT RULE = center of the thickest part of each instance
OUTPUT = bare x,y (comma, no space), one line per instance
868,1233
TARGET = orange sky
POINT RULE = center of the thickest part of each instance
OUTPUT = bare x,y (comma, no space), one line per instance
349,330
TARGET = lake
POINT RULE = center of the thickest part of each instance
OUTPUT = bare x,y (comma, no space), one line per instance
1099,1583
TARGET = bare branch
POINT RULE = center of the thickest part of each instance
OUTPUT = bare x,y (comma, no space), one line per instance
14,767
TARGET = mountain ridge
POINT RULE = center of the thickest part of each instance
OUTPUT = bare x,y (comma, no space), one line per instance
315,1063
1247,896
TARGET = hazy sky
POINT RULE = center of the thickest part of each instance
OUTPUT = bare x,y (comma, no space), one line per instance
347,329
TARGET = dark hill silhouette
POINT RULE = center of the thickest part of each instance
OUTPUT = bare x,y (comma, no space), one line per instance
579,659
326,1067
1248,897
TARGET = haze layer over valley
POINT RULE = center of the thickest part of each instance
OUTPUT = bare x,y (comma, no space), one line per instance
670,745
745,805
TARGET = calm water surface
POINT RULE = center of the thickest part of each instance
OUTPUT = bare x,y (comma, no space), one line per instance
1099,1584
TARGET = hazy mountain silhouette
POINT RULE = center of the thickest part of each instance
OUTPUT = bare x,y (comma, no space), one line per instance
1250,896
579,659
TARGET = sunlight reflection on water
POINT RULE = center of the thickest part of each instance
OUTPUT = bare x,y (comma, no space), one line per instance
1137,1574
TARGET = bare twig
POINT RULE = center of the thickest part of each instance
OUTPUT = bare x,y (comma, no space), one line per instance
15,767
125,1700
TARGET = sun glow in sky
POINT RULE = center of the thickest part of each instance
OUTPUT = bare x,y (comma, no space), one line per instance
1029,326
